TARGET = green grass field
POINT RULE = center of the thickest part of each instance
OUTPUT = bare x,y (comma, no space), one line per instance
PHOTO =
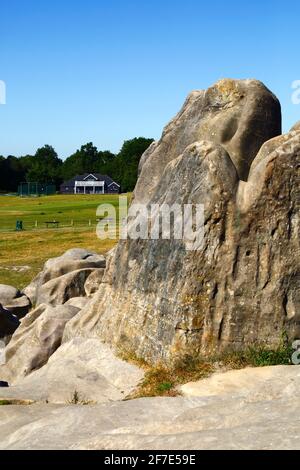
33,246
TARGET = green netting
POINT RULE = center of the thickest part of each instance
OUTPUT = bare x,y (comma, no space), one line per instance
36,189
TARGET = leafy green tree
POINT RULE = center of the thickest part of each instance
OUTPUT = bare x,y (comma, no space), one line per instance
26,163
45,166
127,162
11,173
85,160
123,167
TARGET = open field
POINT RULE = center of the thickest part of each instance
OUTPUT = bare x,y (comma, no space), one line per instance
64,209
33,246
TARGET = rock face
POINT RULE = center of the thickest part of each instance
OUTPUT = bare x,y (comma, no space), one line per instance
162,301
238,420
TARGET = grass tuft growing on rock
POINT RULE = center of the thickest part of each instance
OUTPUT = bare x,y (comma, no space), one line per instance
164,381
15,402
257,357
78,399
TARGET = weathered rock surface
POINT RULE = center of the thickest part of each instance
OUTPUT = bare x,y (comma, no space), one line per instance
78,302
236,421
261,383
93,282
240,115
86,367
8,294
42,290
36,339
30,291
59,292
61,289
162,301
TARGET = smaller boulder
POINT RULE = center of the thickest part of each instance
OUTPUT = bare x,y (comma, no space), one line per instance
37,338
74,260
8,293
78,253
59,290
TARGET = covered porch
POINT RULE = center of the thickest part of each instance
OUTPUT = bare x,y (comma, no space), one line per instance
89,187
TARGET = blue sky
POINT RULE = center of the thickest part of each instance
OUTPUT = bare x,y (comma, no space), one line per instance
109,70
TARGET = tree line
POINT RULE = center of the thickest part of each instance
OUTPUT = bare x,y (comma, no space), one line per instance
46,166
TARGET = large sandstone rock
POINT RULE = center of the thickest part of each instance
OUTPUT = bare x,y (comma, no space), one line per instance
162,301
36,339
236,421
86,367
72,261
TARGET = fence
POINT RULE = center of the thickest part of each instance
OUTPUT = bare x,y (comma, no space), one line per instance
36,189
30,224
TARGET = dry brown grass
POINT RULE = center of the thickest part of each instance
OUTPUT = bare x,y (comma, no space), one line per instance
160,380
34,248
